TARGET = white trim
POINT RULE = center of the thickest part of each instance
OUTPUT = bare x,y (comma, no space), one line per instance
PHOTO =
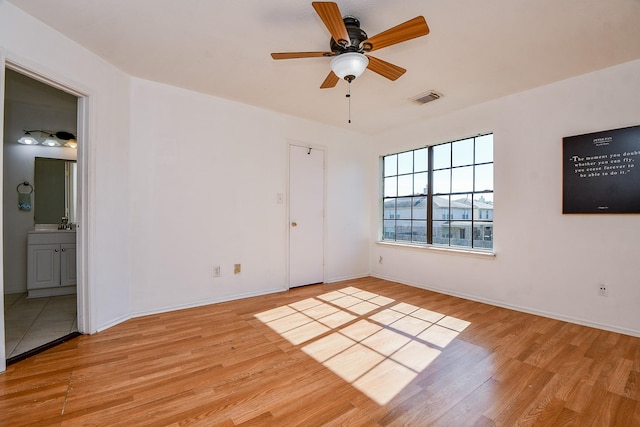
111,324
41,77
350,277
3,350
556,316
202,303
85,302
439,249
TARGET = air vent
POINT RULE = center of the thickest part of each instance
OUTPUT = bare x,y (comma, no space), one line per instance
429,96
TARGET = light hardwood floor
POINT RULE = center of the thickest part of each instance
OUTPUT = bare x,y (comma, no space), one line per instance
364,352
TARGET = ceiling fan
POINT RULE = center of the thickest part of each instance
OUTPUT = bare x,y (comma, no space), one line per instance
350,45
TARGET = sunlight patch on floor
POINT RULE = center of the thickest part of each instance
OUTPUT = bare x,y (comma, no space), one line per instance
377,344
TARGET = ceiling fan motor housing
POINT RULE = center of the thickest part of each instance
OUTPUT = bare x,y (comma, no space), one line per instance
357,36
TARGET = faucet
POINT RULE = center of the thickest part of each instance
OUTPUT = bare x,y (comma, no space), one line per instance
64,224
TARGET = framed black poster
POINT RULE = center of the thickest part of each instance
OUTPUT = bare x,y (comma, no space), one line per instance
601,172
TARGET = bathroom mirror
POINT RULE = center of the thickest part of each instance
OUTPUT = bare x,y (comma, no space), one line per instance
55,192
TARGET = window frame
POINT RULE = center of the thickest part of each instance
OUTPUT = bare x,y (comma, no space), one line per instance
389,234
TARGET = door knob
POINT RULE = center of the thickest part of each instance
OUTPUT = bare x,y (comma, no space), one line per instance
294,224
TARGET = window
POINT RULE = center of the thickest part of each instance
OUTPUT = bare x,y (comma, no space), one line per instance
443,193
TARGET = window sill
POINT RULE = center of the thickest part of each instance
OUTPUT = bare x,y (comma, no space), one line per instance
440,249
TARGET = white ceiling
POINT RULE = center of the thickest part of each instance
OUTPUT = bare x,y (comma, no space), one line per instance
476,51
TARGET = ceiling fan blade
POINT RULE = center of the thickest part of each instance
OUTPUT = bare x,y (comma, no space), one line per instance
330,81
384,68
332,18
294,55
416,27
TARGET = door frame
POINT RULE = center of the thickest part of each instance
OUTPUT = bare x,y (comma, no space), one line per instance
324,206
44,75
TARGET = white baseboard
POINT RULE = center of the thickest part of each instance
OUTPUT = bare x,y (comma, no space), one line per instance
112,323
205,302
529,310
343,278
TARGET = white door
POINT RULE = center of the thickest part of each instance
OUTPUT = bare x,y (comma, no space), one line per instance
306,216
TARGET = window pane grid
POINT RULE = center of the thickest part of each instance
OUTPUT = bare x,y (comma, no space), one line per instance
450,204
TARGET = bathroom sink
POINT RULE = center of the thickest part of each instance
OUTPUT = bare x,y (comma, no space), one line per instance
50,228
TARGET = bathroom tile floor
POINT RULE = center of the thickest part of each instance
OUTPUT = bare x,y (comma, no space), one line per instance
30,323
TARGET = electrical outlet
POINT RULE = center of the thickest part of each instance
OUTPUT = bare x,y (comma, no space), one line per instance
602,290
236,268
216,271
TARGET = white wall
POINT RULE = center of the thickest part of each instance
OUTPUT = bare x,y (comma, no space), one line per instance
546,262
205,173
104,157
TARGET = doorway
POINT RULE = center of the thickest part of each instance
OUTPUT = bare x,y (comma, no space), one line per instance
39,255
306,216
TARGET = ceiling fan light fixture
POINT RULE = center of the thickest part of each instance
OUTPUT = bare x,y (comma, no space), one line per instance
350,65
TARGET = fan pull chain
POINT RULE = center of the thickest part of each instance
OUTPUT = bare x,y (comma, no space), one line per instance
348,95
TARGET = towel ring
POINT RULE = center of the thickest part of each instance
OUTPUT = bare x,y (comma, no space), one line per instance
24,184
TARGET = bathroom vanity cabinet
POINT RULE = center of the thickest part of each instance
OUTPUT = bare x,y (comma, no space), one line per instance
51,263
